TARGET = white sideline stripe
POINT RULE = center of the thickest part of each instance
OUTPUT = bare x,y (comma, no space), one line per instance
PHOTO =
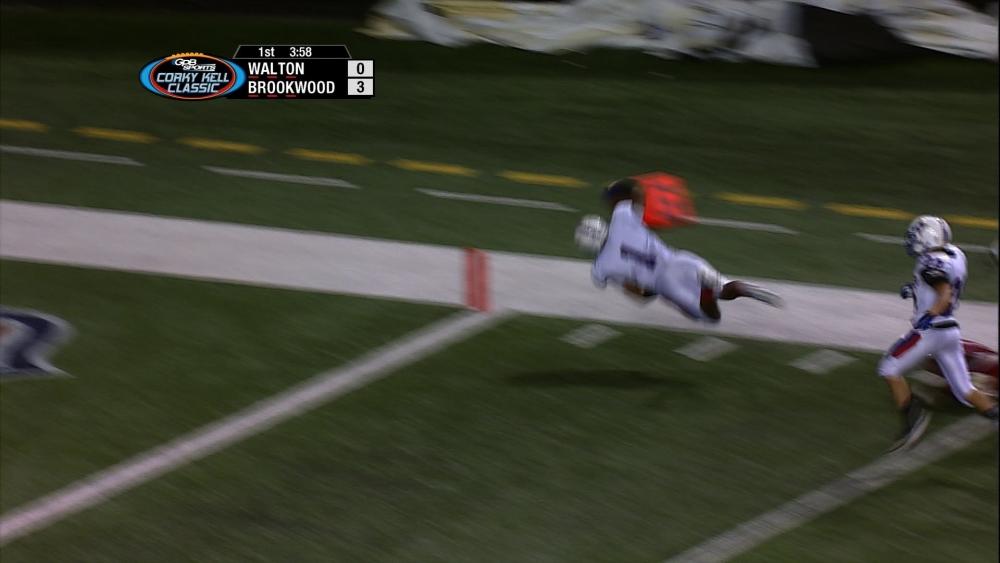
744,225
898,241
70,155
824,316
854,485
242,424
497,200
706,349
291,178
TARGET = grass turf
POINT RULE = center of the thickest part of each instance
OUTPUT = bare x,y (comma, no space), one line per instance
155,357
625,452
907,518
919,136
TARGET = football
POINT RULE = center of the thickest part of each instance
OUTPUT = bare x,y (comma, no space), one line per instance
591,234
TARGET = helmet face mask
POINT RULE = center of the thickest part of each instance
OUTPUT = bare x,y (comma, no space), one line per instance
926,233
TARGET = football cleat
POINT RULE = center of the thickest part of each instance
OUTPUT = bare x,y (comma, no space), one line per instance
915,421
753,291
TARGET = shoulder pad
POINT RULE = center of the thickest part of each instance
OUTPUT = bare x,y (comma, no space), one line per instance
933,276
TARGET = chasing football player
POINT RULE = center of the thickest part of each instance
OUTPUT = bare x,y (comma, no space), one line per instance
938,279
631,255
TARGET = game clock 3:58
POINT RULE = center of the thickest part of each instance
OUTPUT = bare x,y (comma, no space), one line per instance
263,72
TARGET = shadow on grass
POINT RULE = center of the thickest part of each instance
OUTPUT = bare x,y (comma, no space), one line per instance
610,378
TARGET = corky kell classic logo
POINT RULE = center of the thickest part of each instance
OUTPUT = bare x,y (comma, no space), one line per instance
192,76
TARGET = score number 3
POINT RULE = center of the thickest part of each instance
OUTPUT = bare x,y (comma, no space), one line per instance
360,74
361,87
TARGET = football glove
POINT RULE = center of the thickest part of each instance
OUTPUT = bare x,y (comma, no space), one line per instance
906,291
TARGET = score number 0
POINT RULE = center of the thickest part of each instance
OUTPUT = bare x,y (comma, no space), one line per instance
360,78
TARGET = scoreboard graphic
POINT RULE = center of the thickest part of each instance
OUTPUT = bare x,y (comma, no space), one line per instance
263,72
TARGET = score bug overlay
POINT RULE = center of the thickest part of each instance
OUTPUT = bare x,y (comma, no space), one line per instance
263,72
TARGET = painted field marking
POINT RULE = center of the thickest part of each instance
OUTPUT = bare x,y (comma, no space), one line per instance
868,211
274,176
706,349
589,335
761,201
434,167
856,484
898,241
23,125
822,361
312,261
220,145
497,200
974,222
329,156
542,179
252,420
115,135
70,155
744,225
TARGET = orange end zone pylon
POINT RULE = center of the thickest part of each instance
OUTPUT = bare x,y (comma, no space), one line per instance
477,282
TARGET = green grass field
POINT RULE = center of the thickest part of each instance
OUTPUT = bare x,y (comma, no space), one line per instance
510,445
156,357
906,517
624,452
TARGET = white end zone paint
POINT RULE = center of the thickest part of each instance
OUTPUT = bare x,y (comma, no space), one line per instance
227,252
744,225
898,241
816,315
822,361
538,285
589,336
71,155
497,200
276,177
706,349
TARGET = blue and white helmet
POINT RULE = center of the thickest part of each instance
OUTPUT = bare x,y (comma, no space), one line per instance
925,233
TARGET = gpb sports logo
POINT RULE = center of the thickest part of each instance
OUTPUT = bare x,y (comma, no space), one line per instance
192,76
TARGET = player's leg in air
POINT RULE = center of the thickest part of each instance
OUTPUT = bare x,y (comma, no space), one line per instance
628,252
695,287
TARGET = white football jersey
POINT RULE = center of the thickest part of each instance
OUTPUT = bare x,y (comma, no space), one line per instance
632,252
946,264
